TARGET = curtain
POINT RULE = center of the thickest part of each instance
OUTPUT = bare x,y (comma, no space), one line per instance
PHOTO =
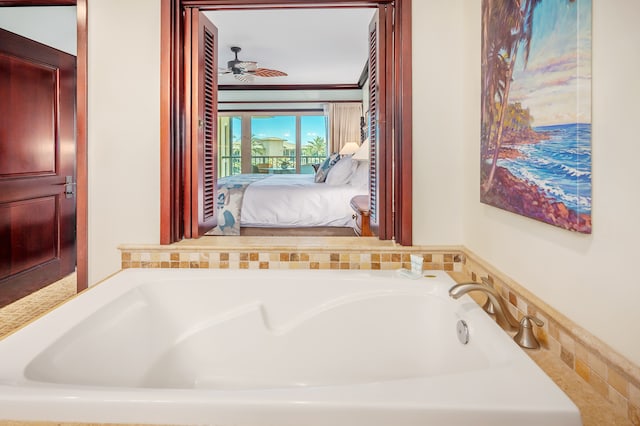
344,124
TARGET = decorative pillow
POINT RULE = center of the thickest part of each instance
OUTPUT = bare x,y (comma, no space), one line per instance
341,172
360,178
324,168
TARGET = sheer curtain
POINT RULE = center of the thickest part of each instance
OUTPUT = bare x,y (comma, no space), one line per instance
344,124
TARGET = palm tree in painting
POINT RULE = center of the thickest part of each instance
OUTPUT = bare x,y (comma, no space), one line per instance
494,70
507,26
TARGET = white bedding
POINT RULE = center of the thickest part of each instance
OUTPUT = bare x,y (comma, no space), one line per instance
297,201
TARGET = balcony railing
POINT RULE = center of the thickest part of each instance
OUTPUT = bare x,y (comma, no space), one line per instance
232,165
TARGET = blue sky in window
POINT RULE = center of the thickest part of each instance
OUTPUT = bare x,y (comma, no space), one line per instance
284,127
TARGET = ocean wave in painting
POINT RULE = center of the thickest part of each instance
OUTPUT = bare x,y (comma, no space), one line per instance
560,165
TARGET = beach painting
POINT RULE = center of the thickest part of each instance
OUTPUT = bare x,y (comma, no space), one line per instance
536,110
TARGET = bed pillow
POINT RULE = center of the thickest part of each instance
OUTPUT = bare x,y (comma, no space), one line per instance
360,178
341,172
323,170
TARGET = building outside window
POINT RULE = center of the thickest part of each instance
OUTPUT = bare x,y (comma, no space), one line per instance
271,143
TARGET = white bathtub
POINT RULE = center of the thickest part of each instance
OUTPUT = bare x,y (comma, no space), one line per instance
267,347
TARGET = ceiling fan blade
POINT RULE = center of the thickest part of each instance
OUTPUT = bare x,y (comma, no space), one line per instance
245,78
266,72
222,71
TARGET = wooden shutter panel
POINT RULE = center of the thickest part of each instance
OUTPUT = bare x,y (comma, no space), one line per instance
210,120
204,119
381,138
373,118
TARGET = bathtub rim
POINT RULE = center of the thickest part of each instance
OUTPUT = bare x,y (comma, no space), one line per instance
399,394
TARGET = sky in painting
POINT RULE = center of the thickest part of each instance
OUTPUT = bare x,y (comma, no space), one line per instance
556,84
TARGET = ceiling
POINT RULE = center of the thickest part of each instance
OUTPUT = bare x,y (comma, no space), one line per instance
313,46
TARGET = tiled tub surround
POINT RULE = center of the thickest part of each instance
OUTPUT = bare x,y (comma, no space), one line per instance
288,253
289,259
609,374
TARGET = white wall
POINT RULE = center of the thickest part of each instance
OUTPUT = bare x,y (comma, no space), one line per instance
54,26
123,129
437,122
589,278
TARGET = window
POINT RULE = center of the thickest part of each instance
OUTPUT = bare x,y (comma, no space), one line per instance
229,140
272,143
314,146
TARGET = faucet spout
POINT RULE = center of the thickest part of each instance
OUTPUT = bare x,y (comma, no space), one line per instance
502,312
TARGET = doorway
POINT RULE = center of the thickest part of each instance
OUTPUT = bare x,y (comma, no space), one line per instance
58,255
395,176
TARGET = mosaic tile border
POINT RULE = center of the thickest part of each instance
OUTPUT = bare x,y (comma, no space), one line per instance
279,259
608,373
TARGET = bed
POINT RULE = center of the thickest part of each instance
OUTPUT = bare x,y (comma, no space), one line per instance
285,201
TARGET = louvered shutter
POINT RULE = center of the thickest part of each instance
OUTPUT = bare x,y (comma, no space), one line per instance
204,117
381,139
373,118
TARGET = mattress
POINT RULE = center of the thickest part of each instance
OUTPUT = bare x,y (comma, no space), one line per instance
295,200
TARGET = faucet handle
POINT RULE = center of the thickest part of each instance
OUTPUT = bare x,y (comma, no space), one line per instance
488,306
525,336
485,281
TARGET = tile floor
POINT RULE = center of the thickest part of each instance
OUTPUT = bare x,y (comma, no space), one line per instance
25,310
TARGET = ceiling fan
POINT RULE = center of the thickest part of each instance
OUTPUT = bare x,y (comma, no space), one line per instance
246,71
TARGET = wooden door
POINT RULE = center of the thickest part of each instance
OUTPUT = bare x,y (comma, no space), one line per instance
37,166
202,118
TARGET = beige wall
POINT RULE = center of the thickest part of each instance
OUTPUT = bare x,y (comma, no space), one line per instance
589,278
124,129
438,126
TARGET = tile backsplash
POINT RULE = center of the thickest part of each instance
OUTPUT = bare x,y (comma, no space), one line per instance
610,374
290,259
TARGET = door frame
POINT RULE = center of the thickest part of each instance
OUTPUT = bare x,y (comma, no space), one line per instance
172,132
82,260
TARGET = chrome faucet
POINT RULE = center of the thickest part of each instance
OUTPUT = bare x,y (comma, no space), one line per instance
501,310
